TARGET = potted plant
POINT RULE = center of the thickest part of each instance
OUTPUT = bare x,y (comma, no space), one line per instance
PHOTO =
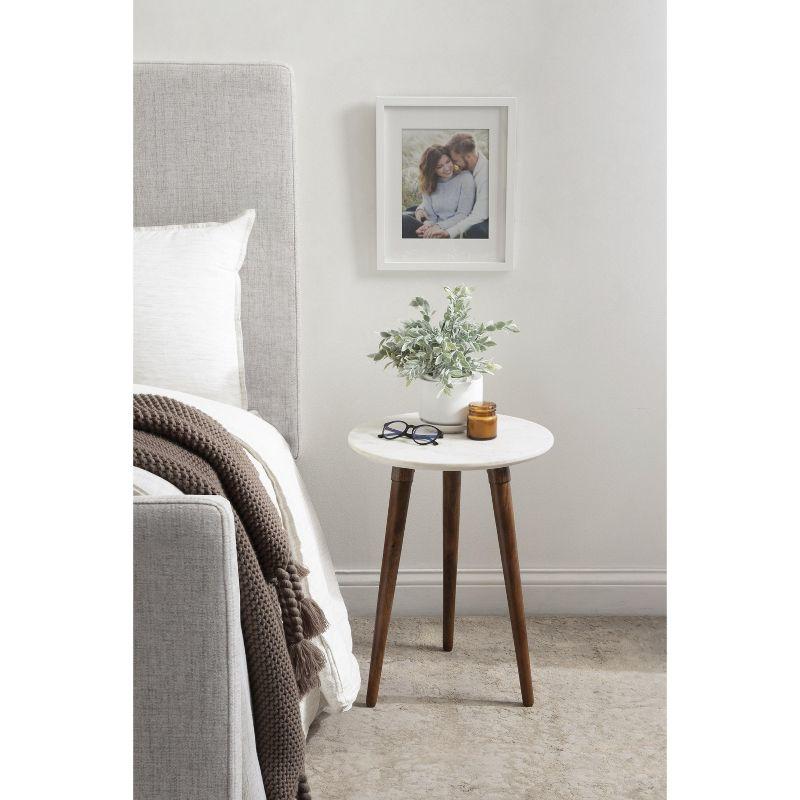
446,357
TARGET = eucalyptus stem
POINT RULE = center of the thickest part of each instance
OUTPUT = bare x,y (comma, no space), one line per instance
447,351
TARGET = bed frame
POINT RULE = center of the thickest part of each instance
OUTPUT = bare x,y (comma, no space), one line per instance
211,140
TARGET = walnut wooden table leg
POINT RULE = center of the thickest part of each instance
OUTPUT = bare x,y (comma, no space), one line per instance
392,545
451,509
499,481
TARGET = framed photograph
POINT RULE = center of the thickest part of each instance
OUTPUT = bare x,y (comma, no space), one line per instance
445,182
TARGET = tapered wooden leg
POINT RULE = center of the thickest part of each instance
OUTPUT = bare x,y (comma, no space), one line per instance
499,481
451,509
392,545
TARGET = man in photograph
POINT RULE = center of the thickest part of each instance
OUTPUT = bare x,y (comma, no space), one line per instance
465,155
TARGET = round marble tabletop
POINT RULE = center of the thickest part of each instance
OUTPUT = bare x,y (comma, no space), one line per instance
517,440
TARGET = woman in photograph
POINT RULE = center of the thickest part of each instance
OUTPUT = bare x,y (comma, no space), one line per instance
448,195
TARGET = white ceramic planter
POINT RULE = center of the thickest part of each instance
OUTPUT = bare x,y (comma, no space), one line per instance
449,409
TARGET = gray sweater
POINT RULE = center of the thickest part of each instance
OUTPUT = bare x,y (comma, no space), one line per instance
451,201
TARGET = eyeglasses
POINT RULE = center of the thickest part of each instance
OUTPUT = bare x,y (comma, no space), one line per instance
421,434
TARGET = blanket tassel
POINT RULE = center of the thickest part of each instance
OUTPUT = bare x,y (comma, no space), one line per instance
301,569
307,661
313,617
314,621
303,789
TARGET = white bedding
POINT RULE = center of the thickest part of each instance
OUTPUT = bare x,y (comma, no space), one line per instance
270,454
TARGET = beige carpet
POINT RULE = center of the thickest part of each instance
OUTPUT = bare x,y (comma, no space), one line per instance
449,725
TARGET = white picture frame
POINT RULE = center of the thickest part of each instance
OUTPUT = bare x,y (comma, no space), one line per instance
398,117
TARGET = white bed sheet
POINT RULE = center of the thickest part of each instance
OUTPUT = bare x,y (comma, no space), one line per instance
340,680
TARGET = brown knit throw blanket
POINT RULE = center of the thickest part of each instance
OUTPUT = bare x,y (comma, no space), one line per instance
197,455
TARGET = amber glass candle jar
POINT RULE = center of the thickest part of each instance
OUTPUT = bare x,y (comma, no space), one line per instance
482,420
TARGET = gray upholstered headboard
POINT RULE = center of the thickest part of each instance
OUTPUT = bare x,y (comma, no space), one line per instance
211,140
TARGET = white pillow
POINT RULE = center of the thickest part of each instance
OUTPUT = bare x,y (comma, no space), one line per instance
187,332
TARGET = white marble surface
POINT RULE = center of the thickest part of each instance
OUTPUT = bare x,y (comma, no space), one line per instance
517,440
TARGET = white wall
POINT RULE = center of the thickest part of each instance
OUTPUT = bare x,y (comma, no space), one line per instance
588,290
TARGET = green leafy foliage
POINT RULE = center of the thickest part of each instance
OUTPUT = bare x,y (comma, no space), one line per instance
446,351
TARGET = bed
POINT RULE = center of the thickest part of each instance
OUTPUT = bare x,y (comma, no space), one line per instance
211,141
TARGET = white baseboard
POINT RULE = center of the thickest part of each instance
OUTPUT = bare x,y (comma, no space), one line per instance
482,591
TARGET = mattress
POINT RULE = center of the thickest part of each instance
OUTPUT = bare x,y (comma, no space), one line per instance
271,456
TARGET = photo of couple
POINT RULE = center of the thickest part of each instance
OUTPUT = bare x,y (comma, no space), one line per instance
445,184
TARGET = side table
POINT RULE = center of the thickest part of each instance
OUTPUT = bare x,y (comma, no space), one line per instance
518,440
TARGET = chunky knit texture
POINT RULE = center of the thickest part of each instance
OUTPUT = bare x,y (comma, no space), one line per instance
197,455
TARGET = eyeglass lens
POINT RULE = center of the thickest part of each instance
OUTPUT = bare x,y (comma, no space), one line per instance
425,433
391,430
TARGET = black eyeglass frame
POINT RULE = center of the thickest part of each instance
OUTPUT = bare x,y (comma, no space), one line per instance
409,432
